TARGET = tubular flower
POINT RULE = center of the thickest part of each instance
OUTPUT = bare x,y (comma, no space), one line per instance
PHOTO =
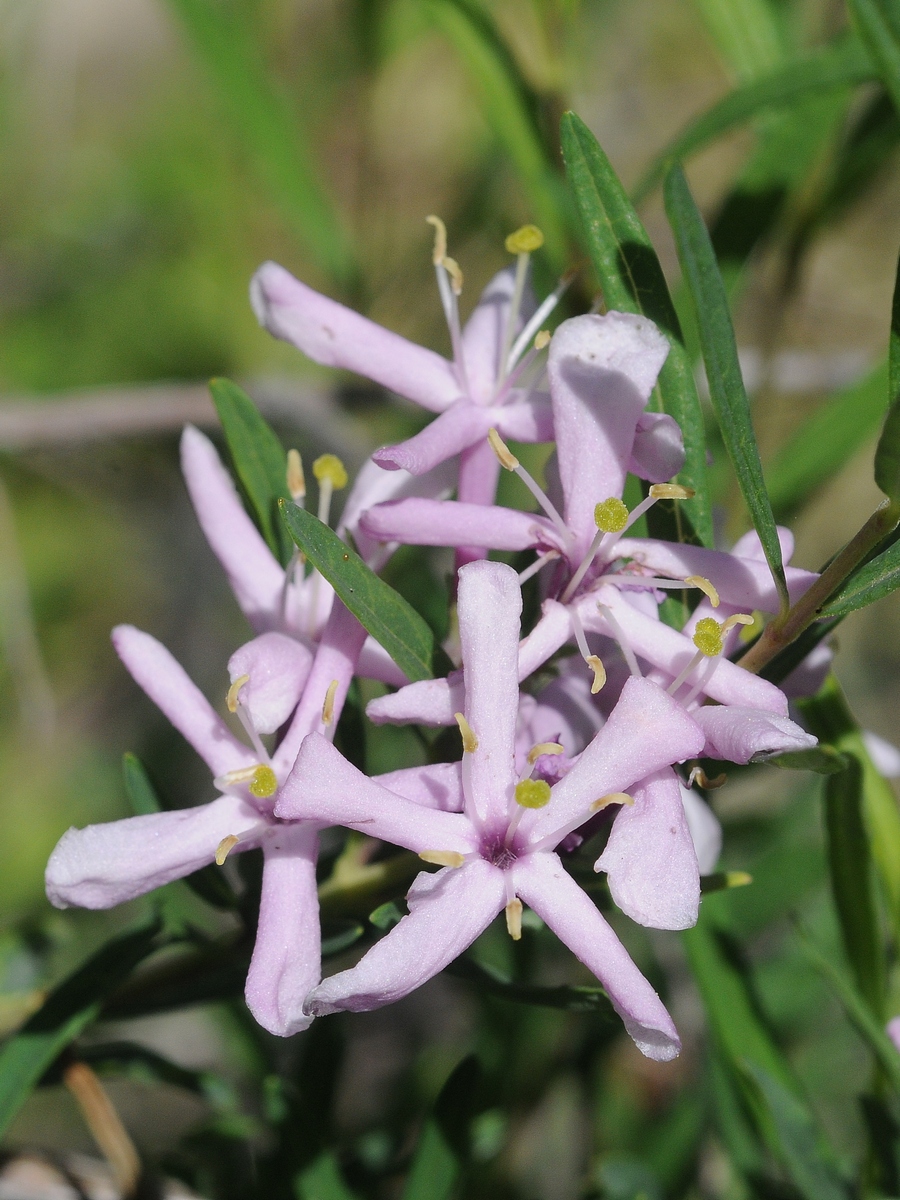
497,853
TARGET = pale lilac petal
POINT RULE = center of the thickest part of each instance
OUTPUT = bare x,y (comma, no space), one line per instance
447,912
749,546
436,786
808,677
325,788
287,960
376,663
278,667
427,702
542,883
460,426
490,610
484,333
525,418
255,576
450,523
885,756
104,865
739,734
892,1029
169,687
650,860
658,450
565,710
375,485
479,471
645,732
335,336
601,371
706,831
553,630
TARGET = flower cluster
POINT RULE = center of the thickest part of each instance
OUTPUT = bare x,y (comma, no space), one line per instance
602,747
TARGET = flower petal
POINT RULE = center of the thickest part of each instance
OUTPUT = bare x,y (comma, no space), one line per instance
451,523
543,884
706,831
253,573
104,865
287,959
278,667
376,663
427,702
658,450
484,333
525,417
447,912
374,485
457,428
551,632
169,687
436,786
739,734
325,788
650,860
335,336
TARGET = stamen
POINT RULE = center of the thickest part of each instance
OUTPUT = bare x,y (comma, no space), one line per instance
332,476
446,268
751,631
554,838
708,636
443,858
250,729
509,460
514,918
453,269
543,339
233,697
619,635
592,660
708,589
525,240
682,676
611,798
522,243
264,783
540,315
328,706
225,847
440,239
537,565
737,879
656,491
599,673
698,775
532,793
543,748
296,480
469,740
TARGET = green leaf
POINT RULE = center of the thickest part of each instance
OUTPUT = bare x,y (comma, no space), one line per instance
262,116
443,1145
575,999
799,1143
259,460
849,862
834,67
322,1180
65,1014
887,452
878,24
874,580
823,760
746,33
141,792
510,108
632,280
726,386
384,613
825,442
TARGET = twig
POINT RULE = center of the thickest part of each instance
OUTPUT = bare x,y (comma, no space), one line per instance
105,1125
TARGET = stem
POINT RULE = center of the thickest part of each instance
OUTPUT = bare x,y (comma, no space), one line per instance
105,1125
779,633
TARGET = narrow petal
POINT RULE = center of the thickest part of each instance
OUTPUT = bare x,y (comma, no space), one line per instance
169,687
484,334
447,912
883,754
543,884
645,732
428,702
436,786
706,831
335,336
460,426
104,865
451,523
479,472
739,734
287,959
376,663
650,860
658,450
490,611
374,485
325,788
525,417
552,631
749,546
601,371
278,667
253,573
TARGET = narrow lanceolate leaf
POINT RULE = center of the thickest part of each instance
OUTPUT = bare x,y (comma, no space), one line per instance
849,862
632,280
878,578
443,1145
878,23
826,441
259,460
887,453
382,611
726,385
322,1180
827,70
747,34
141,792
68,1010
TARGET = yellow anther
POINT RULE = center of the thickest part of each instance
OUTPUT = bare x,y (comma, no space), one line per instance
532,793
443,858
440,239
329,468
264,782
514,918
542,339
543,748
708,589
234,692
503,452
708,637
296,480
698,775
469,740
671,491
525,240
599,670
611,515
612,798
225,847
328,706
453,269
737,879
737,619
